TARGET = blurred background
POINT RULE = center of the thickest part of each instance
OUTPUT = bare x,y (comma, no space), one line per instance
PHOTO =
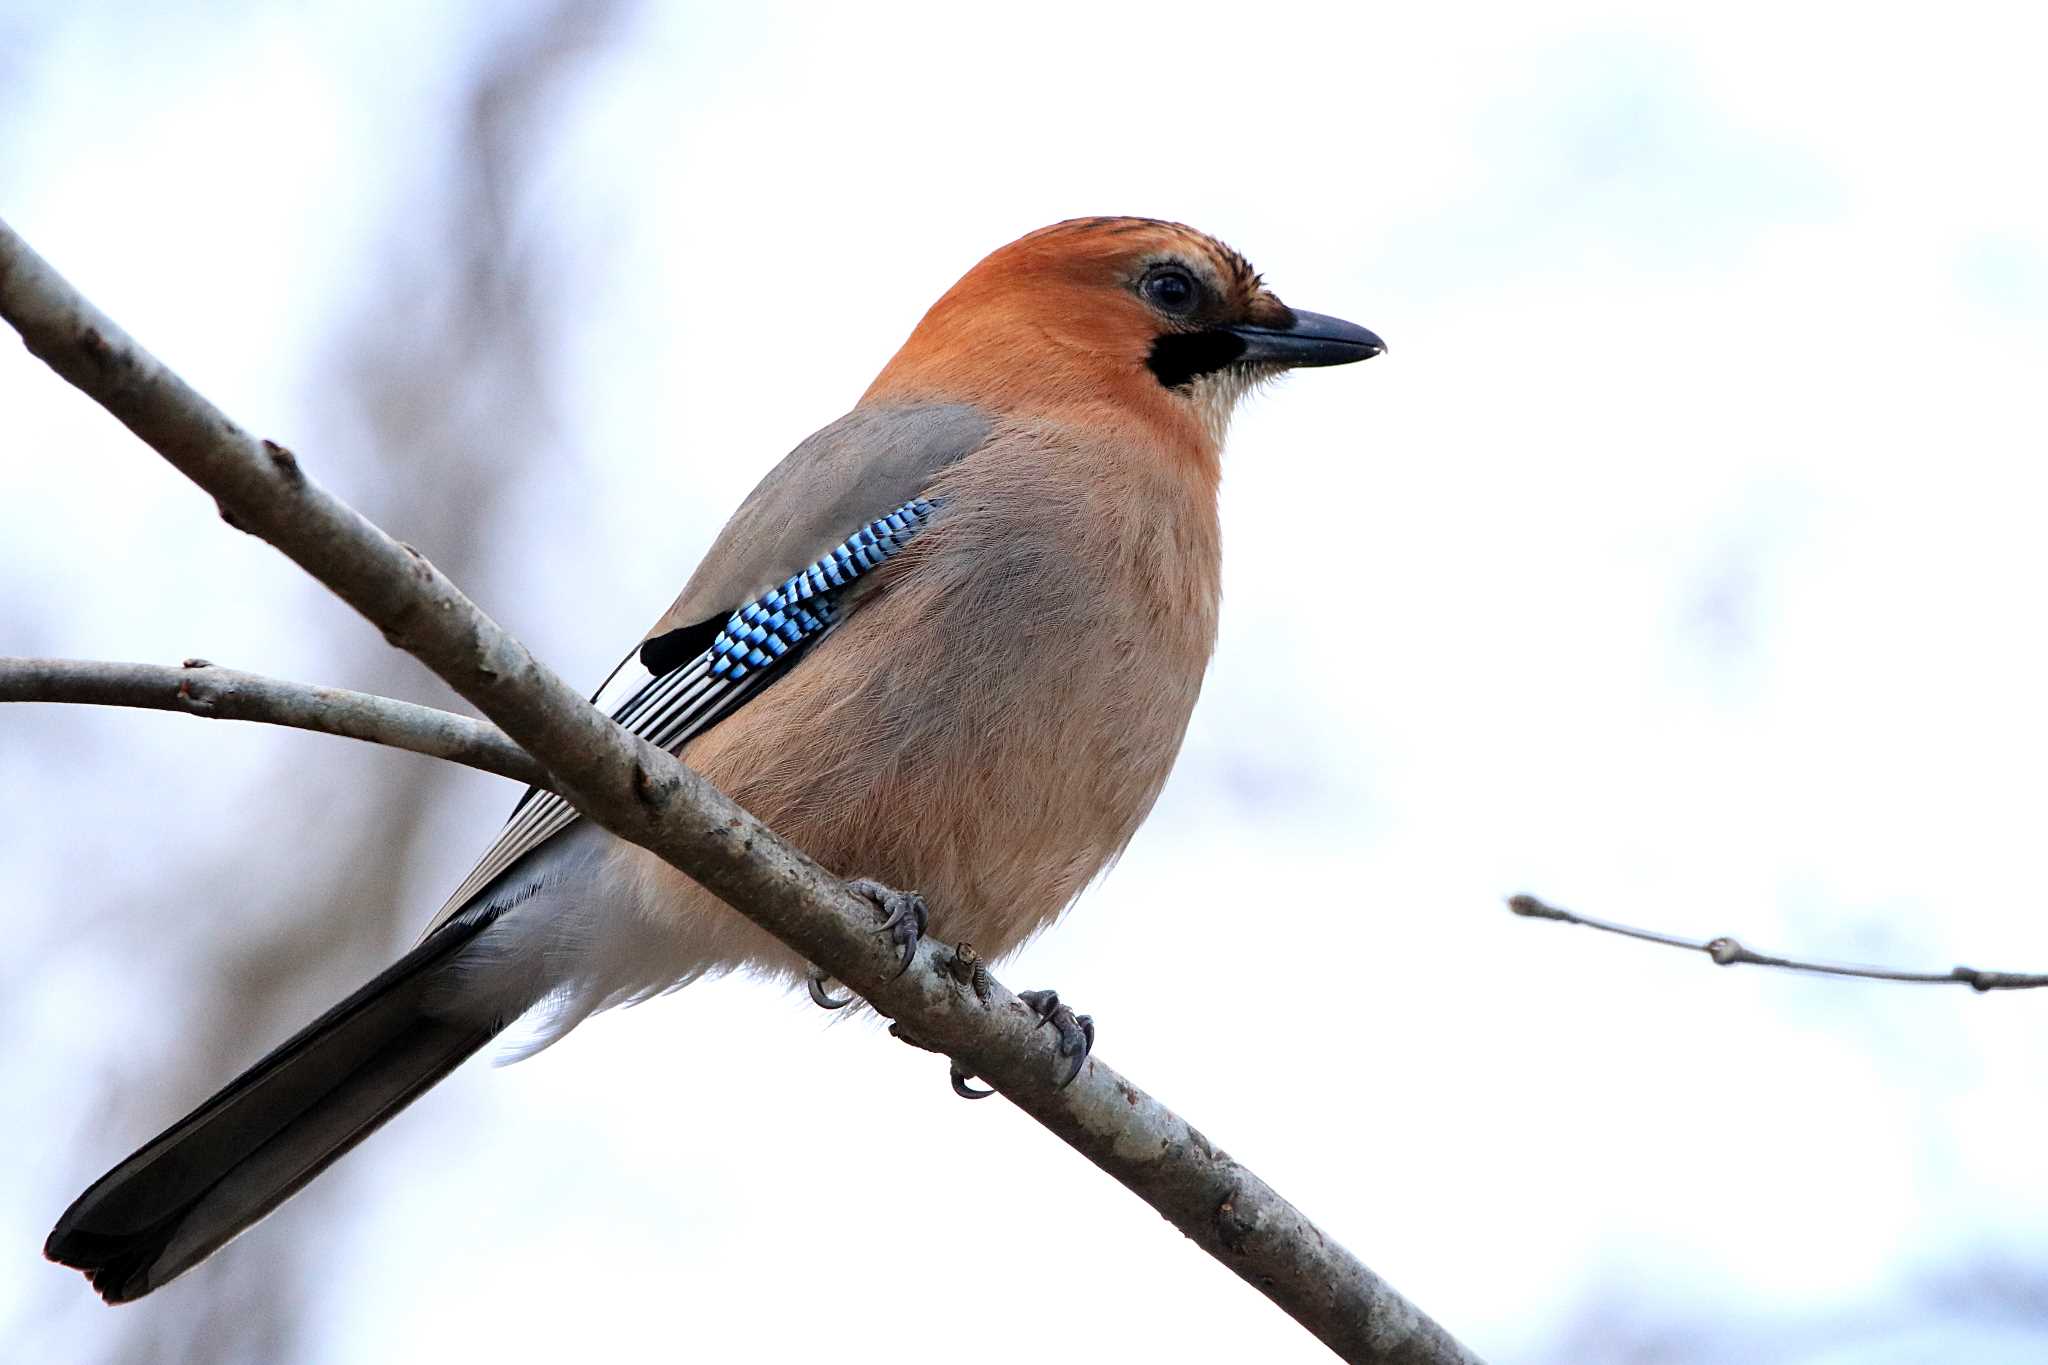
1686,547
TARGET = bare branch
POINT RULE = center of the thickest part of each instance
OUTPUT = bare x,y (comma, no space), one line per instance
1727,952
646,795
198,688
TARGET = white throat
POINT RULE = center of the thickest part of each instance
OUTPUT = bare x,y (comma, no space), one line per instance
1217,393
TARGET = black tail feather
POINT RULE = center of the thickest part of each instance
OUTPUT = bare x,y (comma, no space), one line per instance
216,1171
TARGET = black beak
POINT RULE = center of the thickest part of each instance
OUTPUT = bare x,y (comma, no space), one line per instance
1312,339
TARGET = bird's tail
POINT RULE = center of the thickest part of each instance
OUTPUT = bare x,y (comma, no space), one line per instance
236,1157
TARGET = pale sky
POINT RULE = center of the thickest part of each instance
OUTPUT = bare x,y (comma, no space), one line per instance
1681,563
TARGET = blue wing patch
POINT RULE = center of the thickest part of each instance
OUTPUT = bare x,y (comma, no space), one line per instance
683,699
807,603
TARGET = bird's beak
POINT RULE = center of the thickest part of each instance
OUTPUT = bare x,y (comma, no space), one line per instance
1311,339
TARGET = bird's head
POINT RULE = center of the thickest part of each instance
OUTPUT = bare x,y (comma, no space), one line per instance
1165,323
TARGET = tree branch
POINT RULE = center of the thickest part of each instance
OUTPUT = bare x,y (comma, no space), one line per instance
198,688
646,795
1727,952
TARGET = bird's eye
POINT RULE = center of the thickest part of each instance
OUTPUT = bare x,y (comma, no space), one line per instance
1170,289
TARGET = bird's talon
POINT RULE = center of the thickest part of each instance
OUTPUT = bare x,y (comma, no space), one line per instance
904,915
1086,1023
960,1075
822,998
1076,1031
963,1089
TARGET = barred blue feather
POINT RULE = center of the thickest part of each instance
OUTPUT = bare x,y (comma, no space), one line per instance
767,628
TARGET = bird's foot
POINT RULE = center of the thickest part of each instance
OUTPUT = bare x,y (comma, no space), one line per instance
966,968
904,915
1076,1031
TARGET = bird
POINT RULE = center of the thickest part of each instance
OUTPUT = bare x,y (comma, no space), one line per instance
952,642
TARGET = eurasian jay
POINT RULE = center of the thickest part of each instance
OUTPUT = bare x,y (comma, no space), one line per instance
951,642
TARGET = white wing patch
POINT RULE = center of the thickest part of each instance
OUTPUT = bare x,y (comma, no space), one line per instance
667,711
757,642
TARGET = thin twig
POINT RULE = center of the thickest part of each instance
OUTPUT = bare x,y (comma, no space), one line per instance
1728,952
199,688
644,794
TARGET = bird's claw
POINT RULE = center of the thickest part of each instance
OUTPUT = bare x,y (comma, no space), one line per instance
1076,1031
960,1074
904,915
963,1089
822,998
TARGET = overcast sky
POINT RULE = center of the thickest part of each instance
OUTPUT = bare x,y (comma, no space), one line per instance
1681,562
